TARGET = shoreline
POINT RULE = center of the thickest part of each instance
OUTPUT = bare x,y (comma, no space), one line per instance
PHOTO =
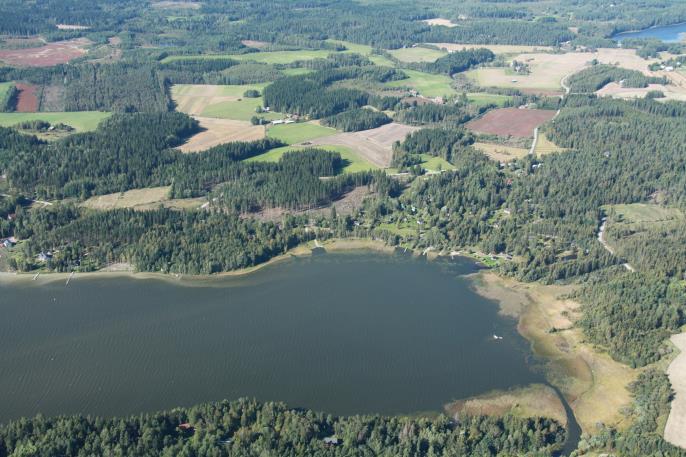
300,251
594,385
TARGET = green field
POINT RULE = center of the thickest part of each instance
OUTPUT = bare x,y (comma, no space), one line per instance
4,87
226,90
297,133
240,110
296,71
644,213
426,84
364,50
82,121
354,163
417,54
273,57
483,99
433,163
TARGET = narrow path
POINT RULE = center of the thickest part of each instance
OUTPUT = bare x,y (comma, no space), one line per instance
601,239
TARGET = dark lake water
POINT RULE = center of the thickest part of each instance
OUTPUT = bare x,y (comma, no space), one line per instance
343,333
668,33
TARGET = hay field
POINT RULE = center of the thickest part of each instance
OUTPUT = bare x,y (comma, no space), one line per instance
548,70
194,98
500,152
614,90
545,146
426,84
440,21
82,121
417,54
220,131
299,132
374,145
128,199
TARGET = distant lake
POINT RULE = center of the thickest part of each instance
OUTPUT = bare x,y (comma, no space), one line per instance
342,333
668,33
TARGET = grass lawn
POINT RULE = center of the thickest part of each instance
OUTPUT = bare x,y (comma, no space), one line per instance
483,99
426,84
273,57
82,121
417,54
240,110
354,163
402,229
299,132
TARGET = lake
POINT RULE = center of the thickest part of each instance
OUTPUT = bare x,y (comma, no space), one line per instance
668,33
344,333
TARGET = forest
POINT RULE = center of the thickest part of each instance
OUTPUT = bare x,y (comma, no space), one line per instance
248,428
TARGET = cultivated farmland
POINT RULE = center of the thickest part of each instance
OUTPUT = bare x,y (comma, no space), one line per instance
51,54
353,161
374,145
27,99
299,132
426,84
496,48
500,152
548,70
417,54
511,121
220,131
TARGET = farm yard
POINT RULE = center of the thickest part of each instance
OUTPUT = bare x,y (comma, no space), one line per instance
49,55
374,145
511,122
220,131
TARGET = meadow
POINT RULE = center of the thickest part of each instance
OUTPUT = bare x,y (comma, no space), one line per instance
299,132
426,84
353,162
82,121
418,54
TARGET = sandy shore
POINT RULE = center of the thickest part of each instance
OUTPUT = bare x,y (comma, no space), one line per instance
675,430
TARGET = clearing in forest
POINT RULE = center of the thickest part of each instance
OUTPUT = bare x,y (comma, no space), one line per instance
425,84
636,215
417,54
440,21
501,152
353,161
27,99
143,199
375,145
548,70
511,121
545,146
220,131
51,54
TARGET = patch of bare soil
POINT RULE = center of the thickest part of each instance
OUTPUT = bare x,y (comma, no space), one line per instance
375,145
27,99
49,55
511,121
